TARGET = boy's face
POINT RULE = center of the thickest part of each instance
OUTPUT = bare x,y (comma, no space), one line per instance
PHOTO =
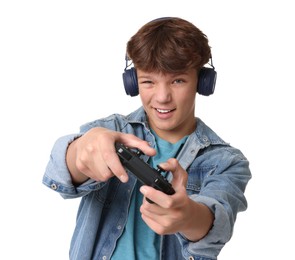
169,101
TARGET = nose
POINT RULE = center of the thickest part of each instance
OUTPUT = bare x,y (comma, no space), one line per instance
163,93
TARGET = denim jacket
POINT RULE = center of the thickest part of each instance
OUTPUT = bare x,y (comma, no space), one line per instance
217,177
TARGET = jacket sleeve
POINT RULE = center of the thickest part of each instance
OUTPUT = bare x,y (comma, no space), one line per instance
57,176
222,191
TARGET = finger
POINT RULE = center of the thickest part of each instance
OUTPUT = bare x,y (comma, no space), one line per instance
110,156
114,165
93,165
152,209
156,196
132,141
180,176
156,225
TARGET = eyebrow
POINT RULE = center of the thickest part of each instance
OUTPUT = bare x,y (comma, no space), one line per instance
172,74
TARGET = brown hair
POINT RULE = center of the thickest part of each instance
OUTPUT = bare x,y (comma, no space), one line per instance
168,45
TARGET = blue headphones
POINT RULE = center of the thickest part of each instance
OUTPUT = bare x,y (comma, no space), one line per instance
205,87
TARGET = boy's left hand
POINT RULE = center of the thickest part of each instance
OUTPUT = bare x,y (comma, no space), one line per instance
169,212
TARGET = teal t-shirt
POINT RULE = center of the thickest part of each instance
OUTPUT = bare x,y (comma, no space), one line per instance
138,241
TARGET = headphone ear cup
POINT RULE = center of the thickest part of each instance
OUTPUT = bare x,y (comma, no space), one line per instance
130,82
206,81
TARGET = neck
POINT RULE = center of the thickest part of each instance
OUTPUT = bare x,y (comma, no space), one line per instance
174,135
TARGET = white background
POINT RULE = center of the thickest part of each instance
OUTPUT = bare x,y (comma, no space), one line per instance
61,65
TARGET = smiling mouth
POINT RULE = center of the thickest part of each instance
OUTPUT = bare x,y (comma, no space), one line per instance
164,111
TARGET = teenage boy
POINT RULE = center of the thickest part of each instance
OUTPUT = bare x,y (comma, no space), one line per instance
114,220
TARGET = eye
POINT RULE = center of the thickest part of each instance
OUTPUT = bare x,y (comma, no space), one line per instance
178,81
146,82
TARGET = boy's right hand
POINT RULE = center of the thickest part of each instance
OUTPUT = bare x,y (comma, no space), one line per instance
93,155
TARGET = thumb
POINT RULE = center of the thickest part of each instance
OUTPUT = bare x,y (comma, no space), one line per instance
179,174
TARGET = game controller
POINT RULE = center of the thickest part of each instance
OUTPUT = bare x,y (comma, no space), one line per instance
131,160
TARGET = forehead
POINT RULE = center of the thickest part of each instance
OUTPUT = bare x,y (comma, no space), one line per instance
187,73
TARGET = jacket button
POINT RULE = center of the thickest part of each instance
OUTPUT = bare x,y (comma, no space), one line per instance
191,258
53,186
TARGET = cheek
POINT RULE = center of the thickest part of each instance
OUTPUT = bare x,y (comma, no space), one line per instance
189,107
146,94
144,98
187,99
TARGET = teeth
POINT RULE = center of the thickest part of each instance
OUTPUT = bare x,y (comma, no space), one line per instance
163,110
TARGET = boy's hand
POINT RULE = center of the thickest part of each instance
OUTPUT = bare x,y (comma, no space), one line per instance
177,212
93,155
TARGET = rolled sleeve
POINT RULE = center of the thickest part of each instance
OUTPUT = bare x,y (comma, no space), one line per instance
57,175
218,235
